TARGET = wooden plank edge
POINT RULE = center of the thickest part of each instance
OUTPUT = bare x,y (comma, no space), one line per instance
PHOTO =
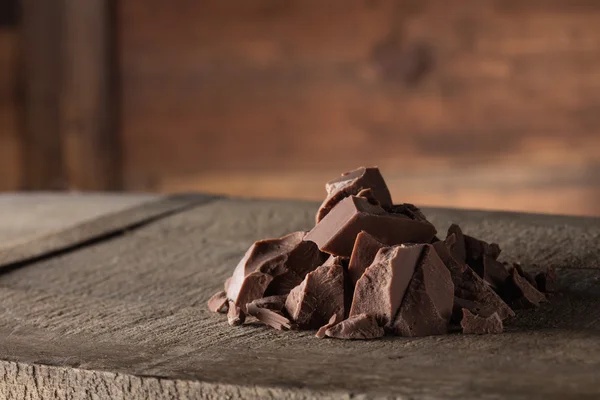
98,229
36,382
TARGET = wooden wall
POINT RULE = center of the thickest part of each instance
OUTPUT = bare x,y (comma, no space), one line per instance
471,103
480,103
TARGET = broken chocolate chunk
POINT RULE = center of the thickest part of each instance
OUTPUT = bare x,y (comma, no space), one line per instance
286,261
525,274
274,303
351,183
335,319
369,195
218,302
409,210
363,254
492,271
519,293
465,248
476,324
235,315
318,297
337,232
456,243
361,326
427,305
469,286
275,319
547,281
380,290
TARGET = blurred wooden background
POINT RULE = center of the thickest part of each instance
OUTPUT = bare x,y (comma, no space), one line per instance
471,103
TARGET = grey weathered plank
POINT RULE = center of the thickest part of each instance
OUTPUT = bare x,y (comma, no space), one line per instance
34,226
109,315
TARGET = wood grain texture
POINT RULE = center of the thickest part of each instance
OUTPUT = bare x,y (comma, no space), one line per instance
127,317
101,223
90,142
419,87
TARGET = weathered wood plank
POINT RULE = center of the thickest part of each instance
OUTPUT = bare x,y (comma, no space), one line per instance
134,305
89,227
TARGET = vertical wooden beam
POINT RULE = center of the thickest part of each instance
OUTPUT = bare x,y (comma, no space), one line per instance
42,166
89,137
70,139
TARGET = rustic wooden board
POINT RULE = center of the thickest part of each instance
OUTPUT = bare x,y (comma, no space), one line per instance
125,318
35,225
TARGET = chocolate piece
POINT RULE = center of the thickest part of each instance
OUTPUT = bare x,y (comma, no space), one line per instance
525,274
336,233
363,254
226,284
351,183
465,248
333,260
427,305
469,286
235,315
253,287
335,319
286,260
477,308
380,290
274,303
318,297
409,210
480,325
546,280
519,293
369,195
361,326
272,318
218,302
493,272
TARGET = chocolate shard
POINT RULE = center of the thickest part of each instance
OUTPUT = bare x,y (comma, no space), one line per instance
427,305
318,297
519,293
364,252
369,195
253,287
380,290
275,319
333,260
465,248
218,303
235,315
475,324
351,183
470,287
477,308
524,274
273,303
361,326
286,260
493,271
409,210
337,232
547,281
335,319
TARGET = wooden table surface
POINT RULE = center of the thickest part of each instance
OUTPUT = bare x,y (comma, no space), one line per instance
109,302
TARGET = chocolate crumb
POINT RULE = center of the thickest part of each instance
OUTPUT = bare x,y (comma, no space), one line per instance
218,303
475,324
361,326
